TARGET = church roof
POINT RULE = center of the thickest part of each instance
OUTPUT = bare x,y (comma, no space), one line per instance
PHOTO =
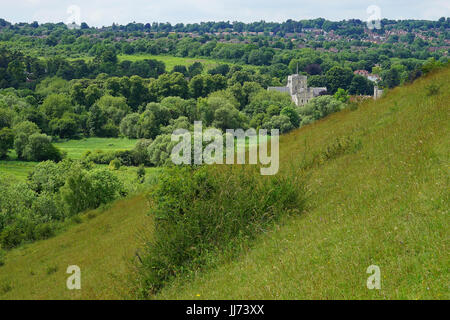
317,91
279,89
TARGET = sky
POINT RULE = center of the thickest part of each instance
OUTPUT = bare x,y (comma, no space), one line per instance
105,12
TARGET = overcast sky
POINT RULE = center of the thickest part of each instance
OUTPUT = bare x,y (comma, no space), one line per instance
105,12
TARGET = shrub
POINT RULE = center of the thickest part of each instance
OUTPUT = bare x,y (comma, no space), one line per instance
40,148
12,236
292,114
22,132
199,213
320,107
48,206
43,231
141,174
140,152
49,176
114,164
89,189
432,89
341,95
281,122
160,149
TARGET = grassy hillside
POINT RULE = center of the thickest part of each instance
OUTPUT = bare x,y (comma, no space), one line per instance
102,245
377,195
386,204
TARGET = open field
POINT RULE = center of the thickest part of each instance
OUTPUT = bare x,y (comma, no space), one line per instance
382,200
171,61
76,148
19,169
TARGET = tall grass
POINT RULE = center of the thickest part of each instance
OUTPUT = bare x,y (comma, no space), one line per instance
203,213
377,195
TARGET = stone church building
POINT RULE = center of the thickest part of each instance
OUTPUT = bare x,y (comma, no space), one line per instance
297,87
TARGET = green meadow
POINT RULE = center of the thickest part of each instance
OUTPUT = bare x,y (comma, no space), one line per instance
76,148
171,61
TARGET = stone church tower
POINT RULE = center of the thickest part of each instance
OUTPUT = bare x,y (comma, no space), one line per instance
297,87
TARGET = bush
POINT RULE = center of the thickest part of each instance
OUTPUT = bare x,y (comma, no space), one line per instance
90,189
49,176
40,148
22,132
34,209
319,108
12,236
292,114
114,164
281,122
141,174
160,149
211,211
432,89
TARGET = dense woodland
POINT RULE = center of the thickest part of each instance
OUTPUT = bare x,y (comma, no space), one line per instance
60,83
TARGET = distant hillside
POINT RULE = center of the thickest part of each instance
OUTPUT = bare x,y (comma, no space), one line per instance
377,195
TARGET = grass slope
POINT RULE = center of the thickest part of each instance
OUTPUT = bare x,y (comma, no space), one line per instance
384,204
102,246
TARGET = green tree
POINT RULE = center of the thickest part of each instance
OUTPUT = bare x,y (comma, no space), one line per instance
338,77
319,108
361,85
281,122
292,114
195,69
341,95
66,127
55,105
391,78
96,120
148,126
40,148
6,141
89,189
22,132
227,118
160,149
129,125
6,118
